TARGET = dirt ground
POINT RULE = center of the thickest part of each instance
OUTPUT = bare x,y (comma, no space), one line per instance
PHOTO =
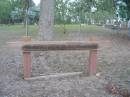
113,66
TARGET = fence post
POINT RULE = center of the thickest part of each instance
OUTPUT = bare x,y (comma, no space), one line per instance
27,64
92,58
92,62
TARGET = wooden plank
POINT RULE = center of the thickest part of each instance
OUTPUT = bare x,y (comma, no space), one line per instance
16,44
27,64
55,76
92,62
59,45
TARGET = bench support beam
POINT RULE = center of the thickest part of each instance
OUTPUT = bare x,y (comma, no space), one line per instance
92,62
27,64
62,45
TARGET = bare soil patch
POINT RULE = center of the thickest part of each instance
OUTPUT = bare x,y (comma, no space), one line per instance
112,64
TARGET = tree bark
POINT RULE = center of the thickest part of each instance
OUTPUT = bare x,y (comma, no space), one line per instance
46,21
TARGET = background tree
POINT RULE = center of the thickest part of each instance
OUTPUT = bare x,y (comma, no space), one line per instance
6,7
128,7
24,6
46,19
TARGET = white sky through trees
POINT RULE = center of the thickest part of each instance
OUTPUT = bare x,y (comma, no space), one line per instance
38,1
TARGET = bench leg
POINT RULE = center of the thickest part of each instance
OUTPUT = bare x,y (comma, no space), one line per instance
27,64
92,62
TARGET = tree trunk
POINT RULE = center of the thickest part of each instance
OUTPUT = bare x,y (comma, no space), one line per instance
46,20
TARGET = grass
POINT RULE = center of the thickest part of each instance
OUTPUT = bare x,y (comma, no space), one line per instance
88,28
15,32
58,28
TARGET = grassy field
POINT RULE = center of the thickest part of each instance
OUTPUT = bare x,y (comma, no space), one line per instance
33,29
15,32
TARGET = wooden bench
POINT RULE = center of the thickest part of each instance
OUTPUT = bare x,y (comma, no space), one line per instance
58,45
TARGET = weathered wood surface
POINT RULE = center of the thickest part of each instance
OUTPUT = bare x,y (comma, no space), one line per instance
59,45
58,75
